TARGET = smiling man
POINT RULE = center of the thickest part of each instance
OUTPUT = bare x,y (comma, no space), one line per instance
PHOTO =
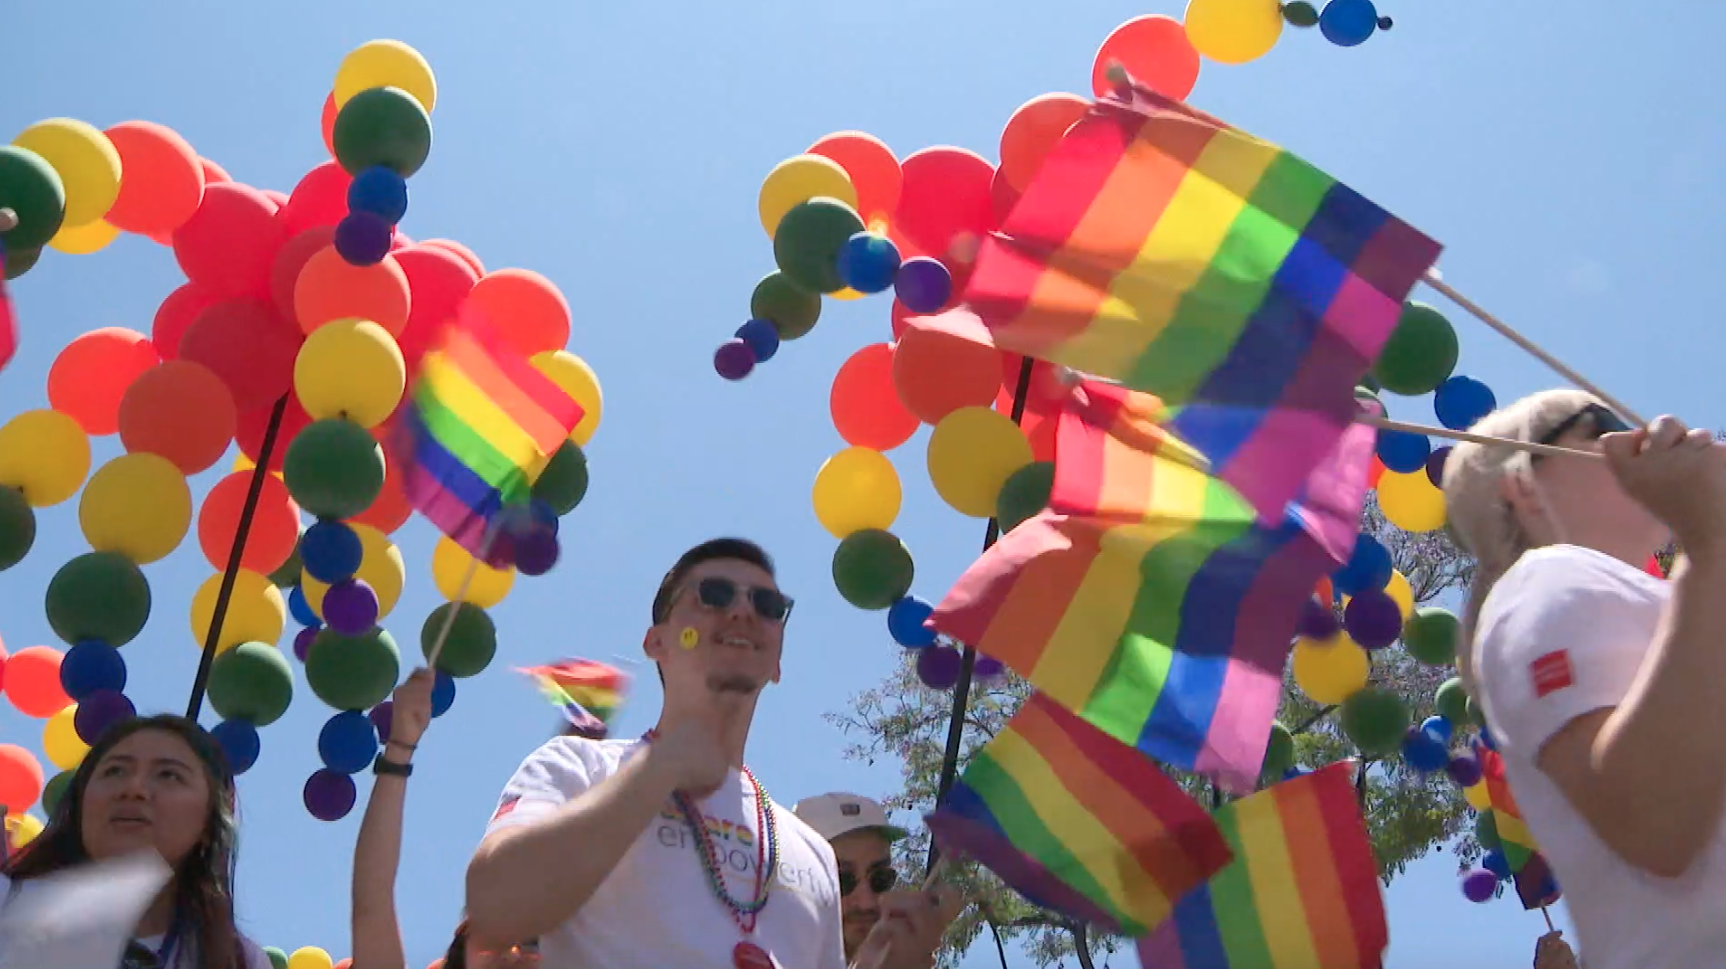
862,840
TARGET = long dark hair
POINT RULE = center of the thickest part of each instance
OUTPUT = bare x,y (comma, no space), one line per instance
204,879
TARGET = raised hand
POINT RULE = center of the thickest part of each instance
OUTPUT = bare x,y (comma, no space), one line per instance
1679,475
410,708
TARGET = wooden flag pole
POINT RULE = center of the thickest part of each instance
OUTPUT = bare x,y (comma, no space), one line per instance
1384,423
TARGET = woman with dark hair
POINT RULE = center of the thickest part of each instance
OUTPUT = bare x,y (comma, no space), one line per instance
156,783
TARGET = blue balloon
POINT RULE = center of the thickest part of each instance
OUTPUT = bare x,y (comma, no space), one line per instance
1403,452
543,514
348,742
443,693
868,261
330,551
1486,739
1438,727
300,609
1495,862
1461,402
380,192
1368,567
1423,751
761,337
89,666
363,239
1347,23
239,743
905,623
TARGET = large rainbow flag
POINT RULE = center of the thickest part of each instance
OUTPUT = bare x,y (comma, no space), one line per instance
1079,823
481,426
1302,892
1148,597
1161,248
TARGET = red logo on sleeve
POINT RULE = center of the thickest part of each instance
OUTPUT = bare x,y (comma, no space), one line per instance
1552,673
504,808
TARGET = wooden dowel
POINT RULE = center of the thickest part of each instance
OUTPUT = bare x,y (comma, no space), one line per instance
1553,450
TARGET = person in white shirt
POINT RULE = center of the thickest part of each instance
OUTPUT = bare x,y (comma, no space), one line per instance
1601,683
666,851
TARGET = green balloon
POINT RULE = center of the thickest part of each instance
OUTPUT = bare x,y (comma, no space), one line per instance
21,261
251,682
1279,751
1420,354
472,640
334,468
807,243
1025,493
873,569
382,126
287,575
353,672
98,595
1430,635
1451,700
1486,831
278,958
1375,720
54,790
17,527
563,483
32,189
791,309
1299,13
1475,714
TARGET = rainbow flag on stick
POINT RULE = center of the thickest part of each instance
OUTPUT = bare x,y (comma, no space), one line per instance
1079,823
1302,892
481,427
1160,247
1148,598
1515,840
588,693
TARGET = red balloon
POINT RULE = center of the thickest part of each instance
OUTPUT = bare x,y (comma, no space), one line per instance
20,779
275,523
249,435
320,199
390,510
88,378
293,258
279,199
328,123
438,281
1044,398
946,362
898,319
229,245
873,169
399,240
163,182
176,315
1004,196
946,205
866,409
214,173
33,684
247,345
181,411
467,255
1033,131
1155,51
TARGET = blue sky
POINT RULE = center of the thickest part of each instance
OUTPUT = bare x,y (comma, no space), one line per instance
1561,155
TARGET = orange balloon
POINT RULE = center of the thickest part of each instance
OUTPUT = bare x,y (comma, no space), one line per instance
20,779
1324,591
275,523
88,378
1155,51
1375,472
163,182
390,510
526,308
1032,132
347,963
180,410
291,259
936,370
214,174
873,168
328,123
866,409
33,683
175,316
467,255
330,288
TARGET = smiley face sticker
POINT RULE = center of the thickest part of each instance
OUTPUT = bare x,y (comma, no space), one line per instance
689,638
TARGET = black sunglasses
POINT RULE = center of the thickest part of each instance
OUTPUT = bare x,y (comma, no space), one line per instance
1601,420
716,592
882,878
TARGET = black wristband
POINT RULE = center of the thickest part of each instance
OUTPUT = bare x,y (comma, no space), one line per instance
402,744
390,767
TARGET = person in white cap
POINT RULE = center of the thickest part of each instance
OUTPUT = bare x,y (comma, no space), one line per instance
862,838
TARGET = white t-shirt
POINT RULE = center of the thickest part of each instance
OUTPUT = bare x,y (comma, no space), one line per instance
657,907
185,954
1561,635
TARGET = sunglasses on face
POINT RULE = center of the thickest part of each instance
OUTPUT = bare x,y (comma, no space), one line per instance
882,878
1595,418
718,593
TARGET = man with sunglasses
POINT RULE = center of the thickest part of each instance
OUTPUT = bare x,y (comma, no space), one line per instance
862,839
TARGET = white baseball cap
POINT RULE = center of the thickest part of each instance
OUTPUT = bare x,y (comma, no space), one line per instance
832,815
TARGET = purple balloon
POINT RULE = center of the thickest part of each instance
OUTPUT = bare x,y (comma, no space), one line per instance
363,239
1464,769
923,284
733,360
100,711
988,668
1374,620
1435,466
351,607
303,642
1318,621
536,552
938,667
382,716
1479,884
329,796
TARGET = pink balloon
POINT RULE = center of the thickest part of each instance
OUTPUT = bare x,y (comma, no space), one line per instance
320,199
249,346
229,245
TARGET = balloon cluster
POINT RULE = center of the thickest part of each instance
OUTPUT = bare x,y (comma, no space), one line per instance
307,957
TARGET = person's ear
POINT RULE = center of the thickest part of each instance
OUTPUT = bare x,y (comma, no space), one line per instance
653,643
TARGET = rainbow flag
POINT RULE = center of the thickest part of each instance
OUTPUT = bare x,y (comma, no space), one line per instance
1148,598
1516,841
1302,892
8,320
1535,884
1078,823
481,426
588,693
1161,248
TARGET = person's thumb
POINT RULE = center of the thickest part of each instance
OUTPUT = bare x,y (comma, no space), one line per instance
1621,447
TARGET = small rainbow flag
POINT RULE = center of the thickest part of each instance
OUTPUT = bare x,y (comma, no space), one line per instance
1148,598
1161,248
589,693
1535,884
8,320
1515,840
481,427
1302,892
1079,823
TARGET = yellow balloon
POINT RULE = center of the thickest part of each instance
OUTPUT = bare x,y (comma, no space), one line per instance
81,240
1401,593
257,613
60,740
386,63
381,567
243,463
86,160
137,505
846,295
44,454
1410,502
352,369
1233,31
856,489
1332,670
310,957
450,565
797,180
21,829
578,380
1478,797
972,453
